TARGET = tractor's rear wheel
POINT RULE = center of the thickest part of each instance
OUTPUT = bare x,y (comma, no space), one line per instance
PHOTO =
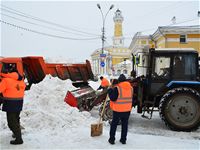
180,109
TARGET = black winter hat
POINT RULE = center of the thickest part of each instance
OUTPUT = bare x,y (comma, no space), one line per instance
122,78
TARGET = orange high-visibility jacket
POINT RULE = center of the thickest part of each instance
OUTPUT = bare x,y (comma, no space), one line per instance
10,87
105,82
124,100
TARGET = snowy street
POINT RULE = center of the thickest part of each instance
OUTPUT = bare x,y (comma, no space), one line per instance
52,124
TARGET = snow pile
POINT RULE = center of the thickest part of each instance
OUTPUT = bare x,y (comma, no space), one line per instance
60,59
45,106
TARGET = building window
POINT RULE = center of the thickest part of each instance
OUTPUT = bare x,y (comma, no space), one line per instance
125,72
118,72
182,38
143,42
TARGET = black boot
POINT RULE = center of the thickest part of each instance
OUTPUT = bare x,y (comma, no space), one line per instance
111,141
16,141
13,135
122,141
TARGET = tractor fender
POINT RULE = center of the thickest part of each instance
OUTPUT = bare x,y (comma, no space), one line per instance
182,83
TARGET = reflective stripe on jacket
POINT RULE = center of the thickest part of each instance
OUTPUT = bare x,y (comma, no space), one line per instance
124,100
105,82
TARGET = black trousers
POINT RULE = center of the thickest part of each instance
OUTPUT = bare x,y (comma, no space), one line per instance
13,120
124,117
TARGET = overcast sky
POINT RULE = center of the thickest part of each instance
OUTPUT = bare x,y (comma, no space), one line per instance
72,29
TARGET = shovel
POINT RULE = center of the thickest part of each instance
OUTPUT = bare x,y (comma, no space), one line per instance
97,129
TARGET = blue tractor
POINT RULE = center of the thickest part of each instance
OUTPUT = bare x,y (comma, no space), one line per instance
170,84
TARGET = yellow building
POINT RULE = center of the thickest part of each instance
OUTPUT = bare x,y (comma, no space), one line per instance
177,37
138,47
168,37
114,54
164,37
140,41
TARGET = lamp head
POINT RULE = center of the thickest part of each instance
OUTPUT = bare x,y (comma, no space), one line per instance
98,6
111,7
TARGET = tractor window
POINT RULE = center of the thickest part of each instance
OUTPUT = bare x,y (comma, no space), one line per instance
184,67
178,67
161,67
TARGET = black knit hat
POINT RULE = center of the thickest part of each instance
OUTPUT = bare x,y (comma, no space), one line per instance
122,78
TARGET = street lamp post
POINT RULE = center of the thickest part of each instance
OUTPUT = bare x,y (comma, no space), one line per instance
103,29
109,64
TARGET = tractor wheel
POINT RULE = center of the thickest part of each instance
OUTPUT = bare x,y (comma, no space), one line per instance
107,112
179,108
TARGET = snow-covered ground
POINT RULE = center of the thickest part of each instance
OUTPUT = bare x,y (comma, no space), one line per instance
52,124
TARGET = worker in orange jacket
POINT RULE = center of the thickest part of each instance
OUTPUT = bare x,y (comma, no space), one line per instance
12,87
121,103
104,83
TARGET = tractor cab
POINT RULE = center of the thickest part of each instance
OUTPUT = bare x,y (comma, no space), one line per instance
167,65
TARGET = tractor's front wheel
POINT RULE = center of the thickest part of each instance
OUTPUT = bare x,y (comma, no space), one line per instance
180,109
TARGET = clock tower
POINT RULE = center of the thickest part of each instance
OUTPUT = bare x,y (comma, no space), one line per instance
118,39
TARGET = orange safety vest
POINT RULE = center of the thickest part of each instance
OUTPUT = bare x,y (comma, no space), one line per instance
11,88
124,100
105,82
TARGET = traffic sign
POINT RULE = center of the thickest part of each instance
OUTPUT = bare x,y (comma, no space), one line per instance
102,55
102,64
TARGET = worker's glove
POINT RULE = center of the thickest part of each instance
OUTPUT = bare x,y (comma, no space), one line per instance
100,87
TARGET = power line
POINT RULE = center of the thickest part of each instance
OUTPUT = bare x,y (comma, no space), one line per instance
160,10
41,20
46,34
183,22
170,25
41,25
19,13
